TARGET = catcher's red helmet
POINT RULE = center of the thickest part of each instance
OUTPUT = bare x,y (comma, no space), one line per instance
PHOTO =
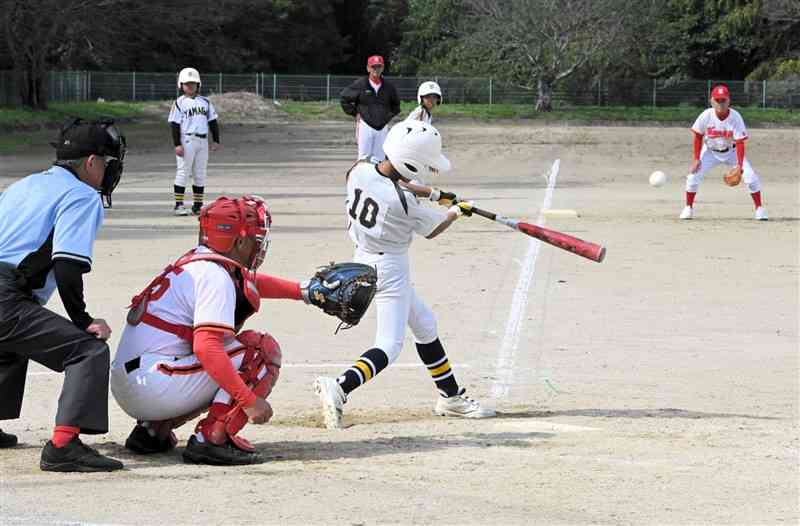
226,220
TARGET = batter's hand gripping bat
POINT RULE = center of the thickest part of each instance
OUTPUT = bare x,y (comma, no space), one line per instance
563,241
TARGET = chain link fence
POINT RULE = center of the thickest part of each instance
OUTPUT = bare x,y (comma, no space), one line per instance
73,86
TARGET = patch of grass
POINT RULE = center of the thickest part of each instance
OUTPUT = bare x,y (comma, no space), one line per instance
675,115
58,112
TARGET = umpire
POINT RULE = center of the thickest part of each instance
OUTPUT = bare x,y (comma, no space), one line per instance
373,101
48,224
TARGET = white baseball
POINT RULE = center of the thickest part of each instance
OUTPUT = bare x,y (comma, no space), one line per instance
658,178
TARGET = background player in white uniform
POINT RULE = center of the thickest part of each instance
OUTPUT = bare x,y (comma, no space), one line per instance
383,220
191,118
719,138
429,95
180,353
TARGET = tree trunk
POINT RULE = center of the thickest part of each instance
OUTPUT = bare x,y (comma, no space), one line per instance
545,100
32,84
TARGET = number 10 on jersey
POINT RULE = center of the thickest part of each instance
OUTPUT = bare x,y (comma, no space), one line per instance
367,216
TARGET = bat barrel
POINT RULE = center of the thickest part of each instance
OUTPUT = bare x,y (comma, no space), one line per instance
566,242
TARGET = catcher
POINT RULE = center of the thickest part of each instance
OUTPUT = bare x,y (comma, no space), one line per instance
181,352
719,137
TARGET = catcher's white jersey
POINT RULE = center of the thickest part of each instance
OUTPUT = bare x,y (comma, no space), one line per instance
377,220
201,293
719,135
193,114
420,114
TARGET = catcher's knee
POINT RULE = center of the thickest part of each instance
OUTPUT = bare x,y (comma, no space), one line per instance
261,364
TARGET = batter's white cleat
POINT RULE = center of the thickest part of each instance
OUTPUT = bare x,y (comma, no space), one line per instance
687,213
463,406
761,214
181,210
333,398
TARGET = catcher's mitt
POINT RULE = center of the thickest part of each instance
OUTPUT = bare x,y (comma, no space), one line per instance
733,177
344,290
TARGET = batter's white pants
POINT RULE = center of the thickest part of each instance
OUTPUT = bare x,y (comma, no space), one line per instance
709,159
370,141
165,387
193,164
397,304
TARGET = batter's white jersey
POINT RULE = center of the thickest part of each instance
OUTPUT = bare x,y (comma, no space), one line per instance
377,221
200,294
719,135
420,114
193,114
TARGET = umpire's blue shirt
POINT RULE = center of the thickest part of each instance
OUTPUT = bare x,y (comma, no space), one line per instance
44,217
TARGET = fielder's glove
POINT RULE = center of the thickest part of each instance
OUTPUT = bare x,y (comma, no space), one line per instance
344,290
442,197
733,177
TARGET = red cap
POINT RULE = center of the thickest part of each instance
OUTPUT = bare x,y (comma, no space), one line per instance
720,92
375,59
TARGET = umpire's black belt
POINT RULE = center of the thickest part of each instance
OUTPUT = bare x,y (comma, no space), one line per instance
201,135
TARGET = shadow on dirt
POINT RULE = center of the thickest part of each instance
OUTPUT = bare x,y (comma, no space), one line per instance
309,451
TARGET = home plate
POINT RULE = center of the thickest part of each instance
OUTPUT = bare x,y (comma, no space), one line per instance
541,426
560,212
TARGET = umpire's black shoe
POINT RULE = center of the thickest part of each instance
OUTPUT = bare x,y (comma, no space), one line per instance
224,455
75,456
7,439
140,441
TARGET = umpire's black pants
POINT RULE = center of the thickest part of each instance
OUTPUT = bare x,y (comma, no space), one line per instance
28,331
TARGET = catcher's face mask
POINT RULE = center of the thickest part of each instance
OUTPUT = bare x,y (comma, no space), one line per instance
260,231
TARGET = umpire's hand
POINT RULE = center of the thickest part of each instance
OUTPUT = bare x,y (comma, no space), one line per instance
99,328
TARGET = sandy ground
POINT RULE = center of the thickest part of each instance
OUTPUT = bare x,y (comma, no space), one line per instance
659,387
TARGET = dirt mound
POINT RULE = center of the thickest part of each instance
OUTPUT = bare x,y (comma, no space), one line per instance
233,107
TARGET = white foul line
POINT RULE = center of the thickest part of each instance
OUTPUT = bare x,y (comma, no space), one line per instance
504,366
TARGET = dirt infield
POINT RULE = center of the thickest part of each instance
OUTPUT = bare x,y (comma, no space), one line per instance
659,387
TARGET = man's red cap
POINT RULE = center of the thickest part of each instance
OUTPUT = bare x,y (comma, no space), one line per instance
720,92
375,59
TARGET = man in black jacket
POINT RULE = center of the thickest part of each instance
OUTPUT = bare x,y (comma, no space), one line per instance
373,101
48,224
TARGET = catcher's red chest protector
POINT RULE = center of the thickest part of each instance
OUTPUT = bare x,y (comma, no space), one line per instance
137,312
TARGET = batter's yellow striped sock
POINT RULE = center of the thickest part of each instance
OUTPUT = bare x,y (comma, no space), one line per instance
435,359
370,364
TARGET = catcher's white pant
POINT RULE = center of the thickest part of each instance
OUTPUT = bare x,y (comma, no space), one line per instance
370,141
194,162
397,304
709,159
166,387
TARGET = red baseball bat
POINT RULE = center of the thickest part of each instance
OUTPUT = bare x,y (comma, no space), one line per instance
563,241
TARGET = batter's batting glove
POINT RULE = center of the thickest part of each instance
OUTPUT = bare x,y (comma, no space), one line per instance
442,197
462,208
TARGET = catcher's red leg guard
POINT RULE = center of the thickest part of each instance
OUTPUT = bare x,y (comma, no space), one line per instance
259,370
